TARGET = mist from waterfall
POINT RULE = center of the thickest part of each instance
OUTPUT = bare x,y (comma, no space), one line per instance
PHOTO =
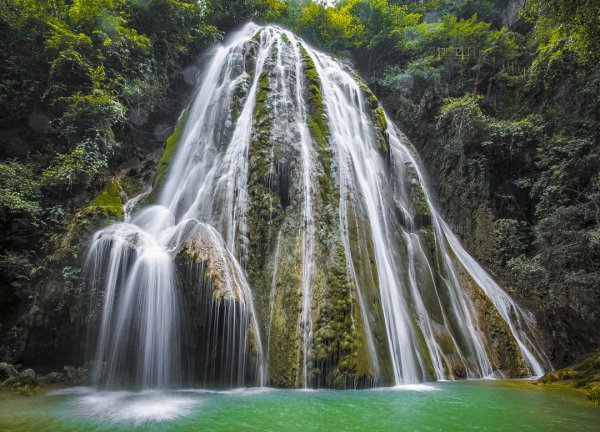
223,279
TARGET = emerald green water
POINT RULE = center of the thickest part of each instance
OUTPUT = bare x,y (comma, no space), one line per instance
447,406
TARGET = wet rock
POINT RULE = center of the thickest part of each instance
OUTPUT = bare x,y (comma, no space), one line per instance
205,247
70,371
26,390
55,378
583,375
459,372
76,375
7,371
95,369
26,377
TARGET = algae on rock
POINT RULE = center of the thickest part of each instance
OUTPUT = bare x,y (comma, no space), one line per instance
171,145
583,375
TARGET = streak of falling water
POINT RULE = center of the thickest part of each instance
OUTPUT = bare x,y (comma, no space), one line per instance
521,328
362,167
421,311
309,229
131,264
366,186
130,205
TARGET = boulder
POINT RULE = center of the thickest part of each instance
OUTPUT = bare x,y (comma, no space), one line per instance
27,377
56,378
76,376
7,371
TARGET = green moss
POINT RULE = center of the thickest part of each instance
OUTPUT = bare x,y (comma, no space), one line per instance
110,201
339,346
319,132
380,117
593,392
170,149
256,37
250,56
418,200
583,375
261,107
238,95
370,97
501,345
447,344
424,350
284,350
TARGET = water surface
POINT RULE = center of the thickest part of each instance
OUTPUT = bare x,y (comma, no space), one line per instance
448,406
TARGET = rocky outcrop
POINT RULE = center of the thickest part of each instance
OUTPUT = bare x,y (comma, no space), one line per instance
204,256
504,350
28,382
52,326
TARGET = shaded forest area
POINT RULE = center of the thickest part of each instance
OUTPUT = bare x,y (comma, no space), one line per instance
500,97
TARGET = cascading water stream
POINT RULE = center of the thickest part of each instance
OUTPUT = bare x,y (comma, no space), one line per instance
293,213
309,234
361,166
523,329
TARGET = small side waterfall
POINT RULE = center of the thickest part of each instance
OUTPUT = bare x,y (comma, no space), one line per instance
295,214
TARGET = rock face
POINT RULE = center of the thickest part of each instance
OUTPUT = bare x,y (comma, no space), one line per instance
23,381
291,241
566,313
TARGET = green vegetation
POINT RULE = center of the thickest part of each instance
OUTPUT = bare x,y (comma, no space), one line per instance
80,82
584,375
110,200
501,101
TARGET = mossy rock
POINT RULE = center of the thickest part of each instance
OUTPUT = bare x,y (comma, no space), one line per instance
171,146
424,350
369,95
583,375
418,200
110,201
106,207
501,345
378,119
206,261
319,132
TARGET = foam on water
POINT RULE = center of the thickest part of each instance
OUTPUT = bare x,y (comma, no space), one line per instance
472,405
129,407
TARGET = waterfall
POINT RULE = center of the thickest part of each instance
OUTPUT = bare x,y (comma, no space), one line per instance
294,213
